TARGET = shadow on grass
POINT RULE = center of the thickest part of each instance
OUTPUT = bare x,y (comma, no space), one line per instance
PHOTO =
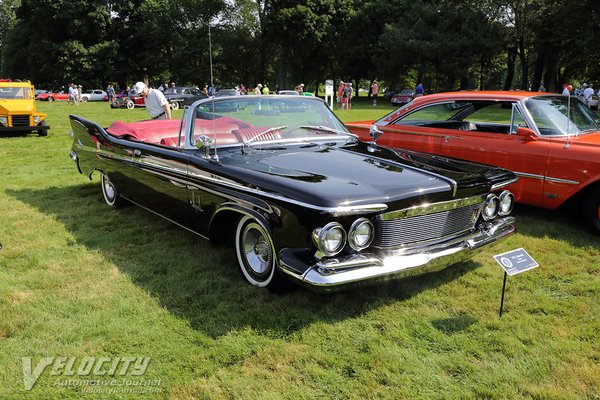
563,225
200,282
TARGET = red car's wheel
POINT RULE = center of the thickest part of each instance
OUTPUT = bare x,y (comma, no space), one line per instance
130,105
51,99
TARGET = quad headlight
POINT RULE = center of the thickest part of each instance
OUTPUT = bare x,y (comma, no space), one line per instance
361,234
4,120
330,239
491,206
507,203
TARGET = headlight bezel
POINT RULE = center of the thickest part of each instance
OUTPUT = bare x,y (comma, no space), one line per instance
503,198
353,228
4,121
320,236
490,199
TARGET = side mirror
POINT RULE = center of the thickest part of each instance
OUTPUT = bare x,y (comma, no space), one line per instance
526,133
375,132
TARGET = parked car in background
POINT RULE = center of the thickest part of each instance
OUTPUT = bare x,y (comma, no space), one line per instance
125,100
404,97
180,96
288,93
93,95
53,96
552,142
297,195
226,93
37,92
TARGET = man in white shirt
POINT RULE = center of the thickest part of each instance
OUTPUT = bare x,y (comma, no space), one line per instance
156,102
587,96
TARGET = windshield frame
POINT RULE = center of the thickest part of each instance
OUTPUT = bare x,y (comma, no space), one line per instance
573,100
189,143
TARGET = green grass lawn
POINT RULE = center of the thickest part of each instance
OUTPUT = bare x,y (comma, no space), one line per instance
80,279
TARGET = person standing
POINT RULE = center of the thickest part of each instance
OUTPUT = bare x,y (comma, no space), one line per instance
72,96
340,92
587,96
243,90
419,91
374,92
542,88
156,102
110,91
257,89
265,89
346,93
566,91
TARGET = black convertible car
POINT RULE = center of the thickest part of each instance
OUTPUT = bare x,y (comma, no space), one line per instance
180,96
298,195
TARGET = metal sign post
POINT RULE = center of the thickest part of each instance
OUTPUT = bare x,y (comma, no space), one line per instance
329,92
513,262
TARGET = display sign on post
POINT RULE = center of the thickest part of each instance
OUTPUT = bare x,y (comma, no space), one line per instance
514,262
329,92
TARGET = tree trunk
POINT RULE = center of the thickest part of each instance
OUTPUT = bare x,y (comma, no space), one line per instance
510,68
524,66
539,70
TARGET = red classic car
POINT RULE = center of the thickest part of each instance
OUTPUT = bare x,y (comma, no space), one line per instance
404,97
551,141
53,96
126,100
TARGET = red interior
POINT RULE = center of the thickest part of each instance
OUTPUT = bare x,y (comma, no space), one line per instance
165,132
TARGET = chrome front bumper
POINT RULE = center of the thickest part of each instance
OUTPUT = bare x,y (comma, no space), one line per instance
367,268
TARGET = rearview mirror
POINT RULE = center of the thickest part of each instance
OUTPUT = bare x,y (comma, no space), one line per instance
526,133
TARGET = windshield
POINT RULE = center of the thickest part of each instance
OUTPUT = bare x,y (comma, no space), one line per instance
255,119
553,116
407,92
15,93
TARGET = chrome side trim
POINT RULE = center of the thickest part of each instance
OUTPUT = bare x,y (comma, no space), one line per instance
503,184
546,178
430,208
168,219
337,211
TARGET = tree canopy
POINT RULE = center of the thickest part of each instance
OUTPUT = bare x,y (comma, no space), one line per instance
466,44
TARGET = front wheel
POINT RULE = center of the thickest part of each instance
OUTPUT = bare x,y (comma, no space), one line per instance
256,255
130,105
50,99
110,193
84,99
592,209
43,132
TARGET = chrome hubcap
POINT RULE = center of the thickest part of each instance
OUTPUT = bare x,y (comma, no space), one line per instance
257,249
109,190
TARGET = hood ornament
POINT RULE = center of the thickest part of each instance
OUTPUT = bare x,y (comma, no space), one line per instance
375,132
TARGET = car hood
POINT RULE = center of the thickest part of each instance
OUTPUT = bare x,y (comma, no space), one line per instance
16,106
330,176
592,138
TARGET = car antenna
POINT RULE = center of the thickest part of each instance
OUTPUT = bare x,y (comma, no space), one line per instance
216,156
568,144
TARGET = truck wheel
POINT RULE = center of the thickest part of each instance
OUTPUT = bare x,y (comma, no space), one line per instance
43,132
592,210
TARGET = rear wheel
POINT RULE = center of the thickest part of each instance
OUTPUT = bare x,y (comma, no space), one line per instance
130,105
50,99
256,255
175,105
110,193
84,99
592,209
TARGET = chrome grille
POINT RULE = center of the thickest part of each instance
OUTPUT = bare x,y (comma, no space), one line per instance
400,232
20,120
